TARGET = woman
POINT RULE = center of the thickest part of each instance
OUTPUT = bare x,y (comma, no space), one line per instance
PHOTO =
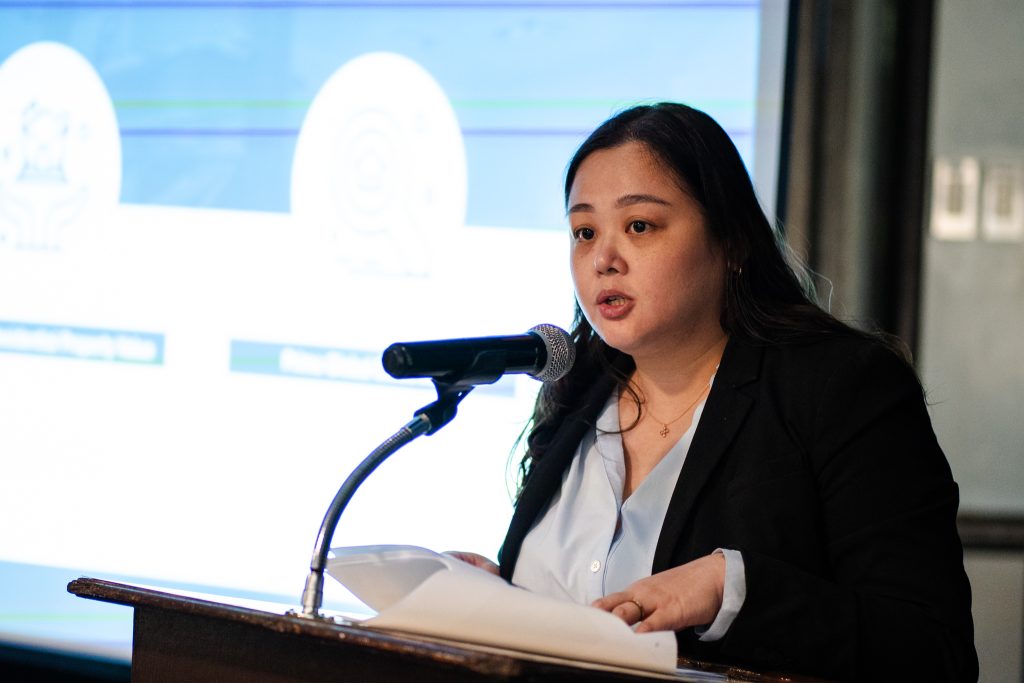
726,460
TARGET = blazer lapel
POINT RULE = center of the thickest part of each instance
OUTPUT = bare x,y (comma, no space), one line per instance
723,414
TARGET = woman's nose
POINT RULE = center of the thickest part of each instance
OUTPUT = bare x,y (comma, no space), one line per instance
608,259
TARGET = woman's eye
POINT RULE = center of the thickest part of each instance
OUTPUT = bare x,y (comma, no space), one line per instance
583,234
638,227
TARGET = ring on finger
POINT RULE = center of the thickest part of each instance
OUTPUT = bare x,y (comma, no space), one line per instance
639,607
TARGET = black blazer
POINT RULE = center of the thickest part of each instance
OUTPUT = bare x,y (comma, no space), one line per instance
818,462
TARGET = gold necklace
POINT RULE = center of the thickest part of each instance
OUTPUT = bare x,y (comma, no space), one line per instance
664,431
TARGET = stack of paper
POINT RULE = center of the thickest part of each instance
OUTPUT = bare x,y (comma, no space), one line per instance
419,591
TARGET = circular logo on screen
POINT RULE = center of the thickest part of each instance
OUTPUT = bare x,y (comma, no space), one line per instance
380,166
60,149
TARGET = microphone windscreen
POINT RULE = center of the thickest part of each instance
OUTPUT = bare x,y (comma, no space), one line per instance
561,353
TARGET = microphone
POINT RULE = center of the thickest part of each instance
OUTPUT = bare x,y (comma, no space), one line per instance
545,352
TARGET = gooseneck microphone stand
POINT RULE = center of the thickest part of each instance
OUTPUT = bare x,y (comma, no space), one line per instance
451,389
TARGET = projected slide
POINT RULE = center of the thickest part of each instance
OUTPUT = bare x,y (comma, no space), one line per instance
191,419
213,219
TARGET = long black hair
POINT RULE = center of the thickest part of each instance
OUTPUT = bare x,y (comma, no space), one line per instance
768,296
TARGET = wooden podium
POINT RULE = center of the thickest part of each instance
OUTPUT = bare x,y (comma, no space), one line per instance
179,638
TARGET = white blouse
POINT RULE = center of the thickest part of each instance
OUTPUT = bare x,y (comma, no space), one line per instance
589,542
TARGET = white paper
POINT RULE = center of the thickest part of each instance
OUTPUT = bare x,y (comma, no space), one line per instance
420,591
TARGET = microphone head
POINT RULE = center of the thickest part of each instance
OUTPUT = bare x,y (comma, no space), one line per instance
560,350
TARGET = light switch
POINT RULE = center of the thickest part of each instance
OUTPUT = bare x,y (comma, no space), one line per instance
1002,202
955,189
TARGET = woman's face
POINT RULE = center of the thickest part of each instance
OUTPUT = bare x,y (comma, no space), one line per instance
647,275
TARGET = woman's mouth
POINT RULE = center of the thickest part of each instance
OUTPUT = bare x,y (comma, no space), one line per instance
613,305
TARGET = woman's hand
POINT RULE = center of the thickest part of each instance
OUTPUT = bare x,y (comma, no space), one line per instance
689,595
476,560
